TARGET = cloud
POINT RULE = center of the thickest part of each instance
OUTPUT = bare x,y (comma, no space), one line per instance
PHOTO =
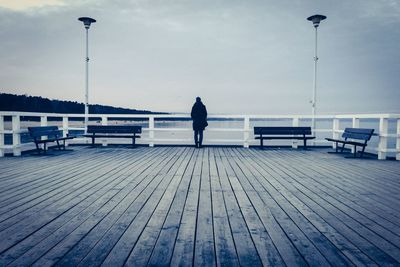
387,10
22,5
160,54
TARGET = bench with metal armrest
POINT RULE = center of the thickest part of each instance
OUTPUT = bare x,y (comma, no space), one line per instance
358,137
114,131
50,134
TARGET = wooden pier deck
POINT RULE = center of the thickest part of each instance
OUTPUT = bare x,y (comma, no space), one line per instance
183,206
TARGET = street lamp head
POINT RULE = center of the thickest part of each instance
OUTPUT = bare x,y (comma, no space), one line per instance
316,19
87,21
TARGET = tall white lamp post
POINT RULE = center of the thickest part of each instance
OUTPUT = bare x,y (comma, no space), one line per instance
87,21
315,19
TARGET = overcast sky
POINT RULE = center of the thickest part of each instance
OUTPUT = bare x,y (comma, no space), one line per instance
241,57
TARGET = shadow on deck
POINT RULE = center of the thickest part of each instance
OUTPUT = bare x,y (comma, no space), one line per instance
212,206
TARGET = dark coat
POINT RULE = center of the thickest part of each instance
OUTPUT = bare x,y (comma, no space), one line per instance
199,116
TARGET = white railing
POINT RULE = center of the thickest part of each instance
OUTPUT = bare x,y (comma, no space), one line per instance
242,127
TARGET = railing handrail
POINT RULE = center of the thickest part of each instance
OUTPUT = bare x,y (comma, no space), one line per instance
227,116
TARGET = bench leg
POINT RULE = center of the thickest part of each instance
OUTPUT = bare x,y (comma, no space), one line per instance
64,145
262,143
37,147
362,152
305,144
355,151
133,142
341,151
93,141
337,149
58,145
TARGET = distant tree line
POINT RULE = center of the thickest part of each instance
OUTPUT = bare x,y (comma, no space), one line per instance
11,102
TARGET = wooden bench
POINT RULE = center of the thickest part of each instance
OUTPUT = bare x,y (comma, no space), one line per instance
114,131
270,133
358,137
51,134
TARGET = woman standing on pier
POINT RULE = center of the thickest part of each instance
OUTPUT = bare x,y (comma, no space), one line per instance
199,117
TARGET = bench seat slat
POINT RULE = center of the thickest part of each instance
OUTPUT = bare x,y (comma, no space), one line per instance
111,136
114,129
282,130
54,140
345,142
285,137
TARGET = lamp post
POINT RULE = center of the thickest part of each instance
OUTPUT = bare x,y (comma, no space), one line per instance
315,19
87,21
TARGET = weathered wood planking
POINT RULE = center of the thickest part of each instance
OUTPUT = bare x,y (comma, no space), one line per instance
180,206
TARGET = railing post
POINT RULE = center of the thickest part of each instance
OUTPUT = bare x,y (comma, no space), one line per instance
43,122
246,132
65,128
2,150
398,140
16,135
104,121
151,131
383,131
86,139
335,131
295,123
355,124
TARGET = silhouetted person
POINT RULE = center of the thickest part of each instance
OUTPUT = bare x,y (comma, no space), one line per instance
199,116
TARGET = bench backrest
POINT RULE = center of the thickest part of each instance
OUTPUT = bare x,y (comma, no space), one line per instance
282,130
49,131
358,133
114,129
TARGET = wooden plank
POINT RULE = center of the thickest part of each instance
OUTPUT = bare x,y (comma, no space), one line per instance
32,180
204,251
183,253
20,230
104,236
353,185
329,219
334,210
380,224
266,248
84,237
46,192
12,166
224,244
309,241
164,246
37,218
285,242
359,169
306,218
213,206
350,182
131,250
245,247
41,244
66,196
33,173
